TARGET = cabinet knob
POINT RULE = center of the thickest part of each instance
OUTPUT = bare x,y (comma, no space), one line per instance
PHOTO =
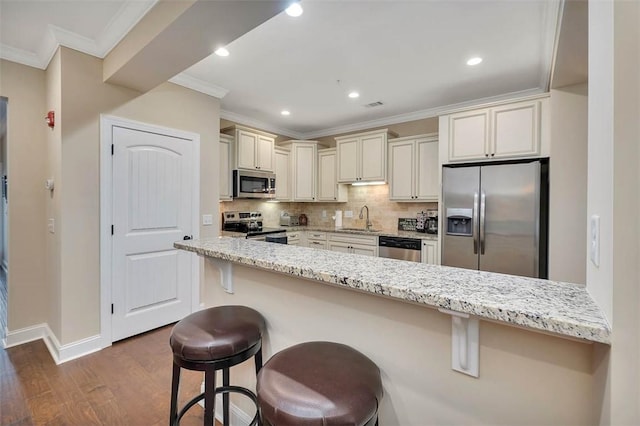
492,154
486,155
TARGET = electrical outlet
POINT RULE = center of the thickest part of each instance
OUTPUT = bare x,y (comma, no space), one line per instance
207,219
324,213
51,226
594,243
348,213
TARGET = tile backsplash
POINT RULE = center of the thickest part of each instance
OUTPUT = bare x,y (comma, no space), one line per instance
383,213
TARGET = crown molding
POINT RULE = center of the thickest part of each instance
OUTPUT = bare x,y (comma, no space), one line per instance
129,14
20,56
247,121
199,85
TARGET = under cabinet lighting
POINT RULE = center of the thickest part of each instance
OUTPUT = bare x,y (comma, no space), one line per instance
285,112
369,183
354,95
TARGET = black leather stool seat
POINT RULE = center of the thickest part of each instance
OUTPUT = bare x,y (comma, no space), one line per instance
216,333
319,383
210,340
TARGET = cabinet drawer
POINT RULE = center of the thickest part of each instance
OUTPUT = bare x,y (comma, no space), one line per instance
315,235
317,244
367,240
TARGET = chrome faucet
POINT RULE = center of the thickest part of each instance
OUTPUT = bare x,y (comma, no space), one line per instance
368,221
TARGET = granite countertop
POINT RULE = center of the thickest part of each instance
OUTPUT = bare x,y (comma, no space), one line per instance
560,308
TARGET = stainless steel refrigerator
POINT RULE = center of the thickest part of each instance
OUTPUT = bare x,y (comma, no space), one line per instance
496,217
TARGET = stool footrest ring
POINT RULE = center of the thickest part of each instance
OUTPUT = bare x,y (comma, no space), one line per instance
222,389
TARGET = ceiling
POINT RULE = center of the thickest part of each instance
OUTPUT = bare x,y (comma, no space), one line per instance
409,55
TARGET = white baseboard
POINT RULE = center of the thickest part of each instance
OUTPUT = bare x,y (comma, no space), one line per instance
237,417
59,353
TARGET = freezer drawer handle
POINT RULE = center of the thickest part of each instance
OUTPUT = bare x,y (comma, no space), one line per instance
475,223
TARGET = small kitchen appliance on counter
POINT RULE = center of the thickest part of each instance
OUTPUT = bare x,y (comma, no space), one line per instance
431,224
287,220
303,220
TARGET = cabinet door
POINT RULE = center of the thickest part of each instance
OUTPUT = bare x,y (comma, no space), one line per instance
426,170
317,244
429,252
264,153
364,250
304,172
516,130
339,247
246,149
401,170
282,170
347,160
469,135
373,158
327,185
225,170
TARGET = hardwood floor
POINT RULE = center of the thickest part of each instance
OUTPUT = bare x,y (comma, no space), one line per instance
126,384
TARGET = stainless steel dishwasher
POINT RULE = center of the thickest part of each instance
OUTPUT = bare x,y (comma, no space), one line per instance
400,248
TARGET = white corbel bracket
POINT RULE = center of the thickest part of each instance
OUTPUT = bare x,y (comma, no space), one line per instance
465,342
226,273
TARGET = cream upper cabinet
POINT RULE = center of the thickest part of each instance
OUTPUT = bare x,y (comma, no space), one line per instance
328,188
413,168
283,171
304,159
363,157
226,161
508,130
254,150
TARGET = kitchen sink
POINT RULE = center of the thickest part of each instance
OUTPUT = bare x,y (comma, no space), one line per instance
359,229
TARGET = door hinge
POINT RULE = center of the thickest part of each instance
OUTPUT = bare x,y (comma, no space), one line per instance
112,149
112,229
112,309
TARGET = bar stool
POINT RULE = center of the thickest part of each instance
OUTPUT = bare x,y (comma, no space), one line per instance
319,384
210,340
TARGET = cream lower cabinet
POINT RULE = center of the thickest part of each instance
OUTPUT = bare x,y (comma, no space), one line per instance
316,239
429,252
226,161
282,161
328,188
295,238
509,130
354,244
362,157
413,168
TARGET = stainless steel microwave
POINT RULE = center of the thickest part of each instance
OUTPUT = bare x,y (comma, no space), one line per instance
253,184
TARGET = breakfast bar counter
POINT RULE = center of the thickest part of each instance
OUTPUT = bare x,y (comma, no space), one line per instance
563,309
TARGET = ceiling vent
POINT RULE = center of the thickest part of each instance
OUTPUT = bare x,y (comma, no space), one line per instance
374,104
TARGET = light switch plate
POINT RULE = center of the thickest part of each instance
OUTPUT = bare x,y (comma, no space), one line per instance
51,226
207,219
594,241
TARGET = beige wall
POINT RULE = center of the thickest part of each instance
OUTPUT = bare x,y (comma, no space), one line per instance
614,195
525,378
26,138
84,98
53,207
568,189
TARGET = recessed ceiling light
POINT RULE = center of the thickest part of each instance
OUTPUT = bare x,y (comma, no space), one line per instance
285,112
294,10
474,61
222,52
354,95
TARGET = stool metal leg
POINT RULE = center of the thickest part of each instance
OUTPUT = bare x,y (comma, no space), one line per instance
209,396
225,397
175,385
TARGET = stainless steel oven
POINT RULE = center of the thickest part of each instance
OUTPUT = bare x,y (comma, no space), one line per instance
253,184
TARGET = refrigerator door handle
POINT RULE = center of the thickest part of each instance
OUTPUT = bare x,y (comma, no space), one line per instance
474,224
483,211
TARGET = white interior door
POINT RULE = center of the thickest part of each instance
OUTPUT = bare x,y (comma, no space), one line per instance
152,208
